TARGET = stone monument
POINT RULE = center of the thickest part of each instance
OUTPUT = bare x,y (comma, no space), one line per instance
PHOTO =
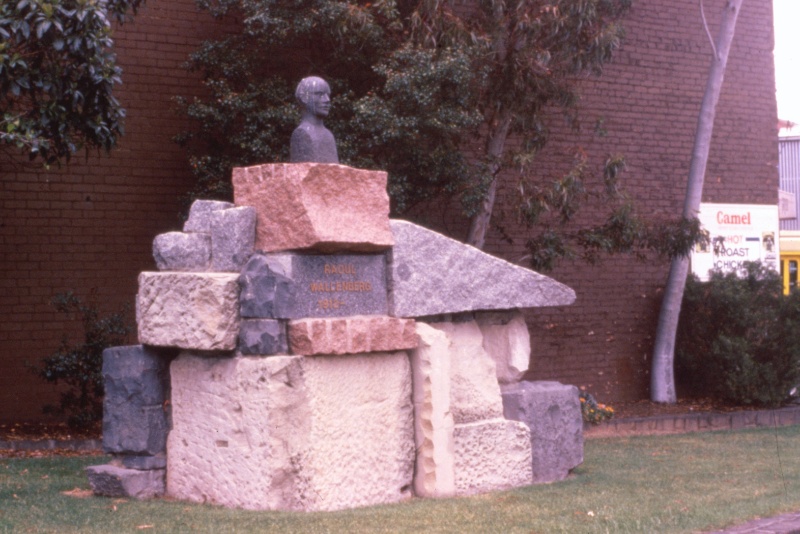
311,141
302,351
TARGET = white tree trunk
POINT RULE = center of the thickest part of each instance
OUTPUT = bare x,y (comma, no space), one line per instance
662,375
495,145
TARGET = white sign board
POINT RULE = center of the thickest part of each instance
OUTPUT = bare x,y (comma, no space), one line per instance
741,232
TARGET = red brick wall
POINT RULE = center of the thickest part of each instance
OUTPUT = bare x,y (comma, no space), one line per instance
650,99
91,224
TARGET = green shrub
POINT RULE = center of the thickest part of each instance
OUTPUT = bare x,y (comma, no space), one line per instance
79,366
739,338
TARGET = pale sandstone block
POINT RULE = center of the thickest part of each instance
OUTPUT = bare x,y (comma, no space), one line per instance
240,432
351,335
327,207
362,430
291,433
474,391
198,311
507,341
491,455
433,421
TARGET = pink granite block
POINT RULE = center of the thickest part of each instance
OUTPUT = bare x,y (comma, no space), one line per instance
326,207
351,335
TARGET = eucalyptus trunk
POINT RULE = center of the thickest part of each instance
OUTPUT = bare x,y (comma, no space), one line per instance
662,375
495,144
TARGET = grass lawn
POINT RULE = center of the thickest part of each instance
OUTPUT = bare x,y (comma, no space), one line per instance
680,483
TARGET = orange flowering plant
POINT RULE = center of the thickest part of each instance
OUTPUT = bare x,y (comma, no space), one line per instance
594,412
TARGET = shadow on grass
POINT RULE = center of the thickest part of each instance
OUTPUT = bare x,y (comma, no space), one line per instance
679,483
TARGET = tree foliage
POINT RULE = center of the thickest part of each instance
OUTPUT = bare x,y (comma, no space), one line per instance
57,73
432,94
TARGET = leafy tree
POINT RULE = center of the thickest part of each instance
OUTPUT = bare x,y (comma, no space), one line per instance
57,72
432,94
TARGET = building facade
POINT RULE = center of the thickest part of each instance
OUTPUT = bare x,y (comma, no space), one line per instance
88,226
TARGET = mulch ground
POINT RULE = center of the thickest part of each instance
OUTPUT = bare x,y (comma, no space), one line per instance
38,431
646,408
35,431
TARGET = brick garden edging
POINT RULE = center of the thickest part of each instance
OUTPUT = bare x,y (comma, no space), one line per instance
662,424
699,422
52,444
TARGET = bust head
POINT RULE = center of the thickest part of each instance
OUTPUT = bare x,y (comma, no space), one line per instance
314,94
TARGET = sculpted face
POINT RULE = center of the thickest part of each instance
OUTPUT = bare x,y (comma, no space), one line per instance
315,94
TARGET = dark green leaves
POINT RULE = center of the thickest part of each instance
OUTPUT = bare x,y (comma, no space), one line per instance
739,337
57,72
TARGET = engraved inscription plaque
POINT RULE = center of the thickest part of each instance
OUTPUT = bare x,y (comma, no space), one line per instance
340,285
294,286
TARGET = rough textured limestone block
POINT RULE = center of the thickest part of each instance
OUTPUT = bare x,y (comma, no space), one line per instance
112,481
178,251
291,433
136,381
362,430
240,432
262,336
197,311
507,340
351,335
199,219
430,274
327,207
233,235
553,412
433,422
474,391
491,455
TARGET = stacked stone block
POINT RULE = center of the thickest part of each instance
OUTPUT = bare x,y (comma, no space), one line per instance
324,207
135,423
295,310
552,411
216,237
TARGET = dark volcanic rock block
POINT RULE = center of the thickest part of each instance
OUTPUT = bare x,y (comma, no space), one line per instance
135,420
178,251
553,412
262,336
233,235
112,481
145,463
266,293
294,286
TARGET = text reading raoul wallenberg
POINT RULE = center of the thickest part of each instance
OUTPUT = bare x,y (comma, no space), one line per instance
339,285
331,287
